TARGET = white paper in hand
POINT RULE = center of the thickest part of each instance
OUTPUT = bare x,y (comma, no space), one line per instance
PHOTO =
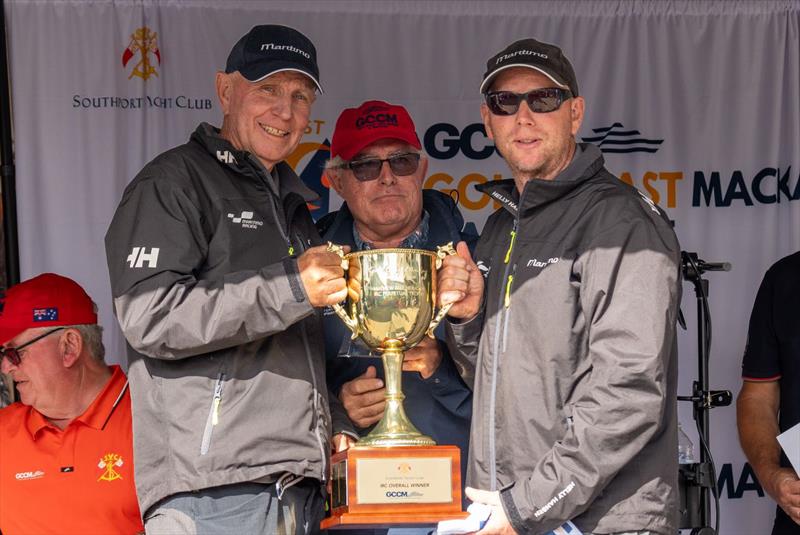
478,515
790,442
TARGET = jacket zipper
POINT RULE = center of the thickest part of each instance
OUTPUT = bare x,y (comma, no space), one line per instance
274,205
213,414
498,337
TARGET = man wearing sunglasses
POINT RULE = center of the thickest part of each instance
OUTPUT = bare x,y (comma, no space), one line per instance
66,452
571,336
378,169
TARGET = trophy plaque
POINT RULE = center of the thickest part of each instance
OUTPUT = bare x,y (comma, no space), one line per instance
395,476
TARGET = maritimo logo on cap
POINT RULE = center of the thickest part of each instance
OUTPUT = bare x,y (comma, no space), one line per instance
289,48
144,42
520,52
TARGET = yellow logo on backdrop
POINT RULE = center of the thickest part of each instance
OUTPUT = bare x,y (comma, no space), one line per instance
144,42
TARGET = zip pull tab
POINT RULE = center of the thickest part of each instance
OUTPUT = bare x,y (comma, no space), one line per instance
507,300
291,250
511,245
217,400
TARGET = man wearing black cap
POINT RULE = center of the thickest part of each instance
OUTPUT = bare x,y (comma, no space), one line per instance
571,336
217,275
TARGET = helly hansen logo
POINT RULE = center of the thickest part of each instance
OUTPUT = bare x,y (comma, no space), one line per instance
503,199
139,256
225,156
246,220
45,314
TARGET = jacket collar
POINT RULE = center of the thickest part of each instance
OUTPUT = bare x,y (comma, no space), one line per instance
282,181
444,226
586,164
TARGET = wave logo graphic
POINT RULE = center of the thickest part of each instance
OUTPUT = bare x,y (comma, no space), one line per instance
313,174
144,43
615,139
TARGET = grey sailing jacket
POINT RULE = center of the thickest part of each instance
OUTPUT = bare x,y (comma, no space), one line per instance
574,356
226,355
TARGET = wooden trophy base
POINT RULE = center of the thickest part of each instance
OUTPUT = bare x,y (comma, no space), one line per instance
404,486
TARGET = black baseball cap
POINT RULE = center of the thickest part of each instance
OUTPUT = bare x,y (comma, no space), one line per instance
546,58
272,48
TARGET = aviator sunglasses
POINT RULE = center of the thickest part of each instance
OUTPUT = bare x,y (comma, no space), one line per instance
370,168
12,353
539,100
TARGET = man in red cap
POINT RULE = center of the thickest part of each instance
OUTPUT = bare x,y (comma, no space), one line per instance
66,461
378,168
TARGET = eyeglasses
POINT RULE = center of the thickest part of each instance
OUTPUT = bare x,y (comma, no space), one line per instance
12,353
539,100
370,168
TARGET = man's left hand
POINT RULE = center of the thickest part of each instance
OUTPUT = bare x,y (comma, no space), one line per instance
423,358
498,523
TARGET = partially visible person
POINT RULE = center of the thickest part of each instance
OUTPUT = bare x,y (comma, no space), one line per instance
572,336
219,278
6,390
769,403
378,169
66,452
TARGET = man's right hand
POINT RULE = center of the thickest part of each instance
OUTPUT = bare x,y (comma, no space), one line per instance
785,489
322,275
460,283
364,398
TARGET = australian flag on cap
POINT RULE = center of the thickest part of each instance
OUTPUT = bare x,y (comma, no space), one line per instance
45,314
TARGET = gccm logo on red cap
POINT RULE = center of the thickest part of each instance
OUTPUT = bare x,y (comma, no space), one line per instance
357,128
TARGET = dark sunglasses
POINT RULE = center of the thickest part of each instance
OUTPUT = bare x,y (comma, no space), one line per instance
370,168
12,353
539,100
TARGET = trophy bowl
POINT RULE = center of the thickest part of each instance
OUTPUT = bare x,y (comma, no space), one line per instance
391,306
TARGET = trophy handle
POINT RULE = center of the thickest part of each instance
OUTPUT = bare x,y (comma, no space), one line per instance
351,323
441,252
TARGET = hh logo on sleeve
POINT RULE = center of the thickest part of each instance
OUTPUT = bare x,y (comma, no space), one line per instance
139,256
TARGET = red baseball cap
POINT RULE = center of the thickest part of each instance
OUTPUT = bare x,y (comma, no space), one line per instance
44,301
374,120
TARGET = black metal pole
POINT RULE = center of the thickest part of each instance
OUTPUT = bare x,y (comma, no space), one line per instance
7,173
701,388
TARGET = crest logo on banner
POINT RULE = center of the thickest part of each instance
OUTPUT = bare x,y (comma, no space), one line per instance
615,138
144,42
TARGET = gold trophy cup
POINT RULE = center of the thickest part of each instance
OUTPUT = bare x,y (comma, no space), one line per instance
390,306
395,475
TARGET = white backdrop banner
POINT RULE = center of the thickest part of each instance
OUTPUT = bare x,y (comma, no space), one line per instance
694,103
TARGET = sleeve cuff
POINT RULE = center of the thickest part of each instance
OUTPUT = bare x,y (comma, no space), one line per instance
510,508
